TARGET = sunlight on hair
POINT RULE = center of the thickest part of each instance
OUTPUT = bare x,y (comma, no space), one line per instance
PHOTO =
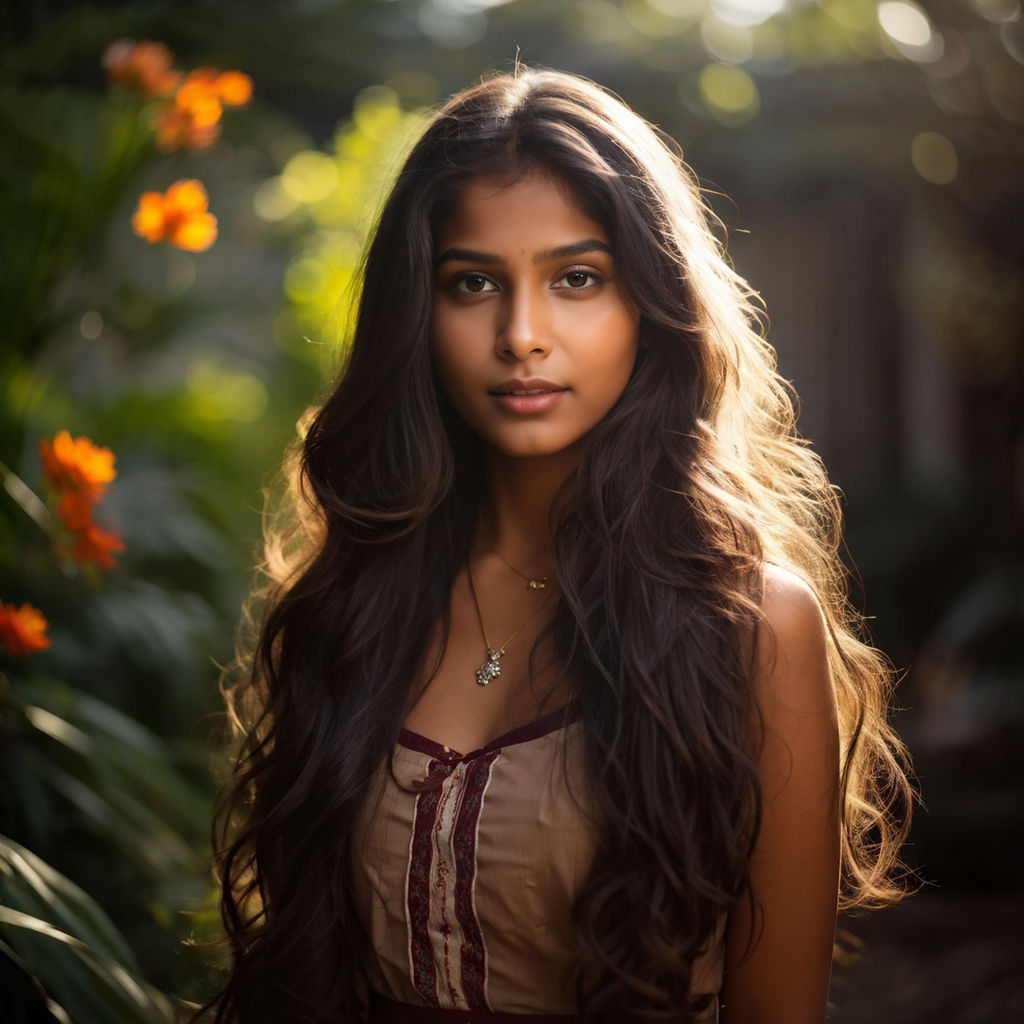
693,490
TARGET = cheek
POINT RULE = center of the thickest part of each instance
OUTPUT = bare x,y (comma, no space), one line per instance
457,356
614,360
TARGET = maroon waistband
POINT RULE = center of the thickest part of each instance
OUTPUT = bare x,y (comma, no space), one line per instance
387,1011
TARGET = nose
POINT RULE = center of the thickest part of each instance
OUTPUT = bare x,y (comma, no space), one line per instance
522,331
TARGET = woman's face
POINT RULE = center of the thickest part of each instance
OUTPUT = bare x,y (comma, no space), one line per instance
533,338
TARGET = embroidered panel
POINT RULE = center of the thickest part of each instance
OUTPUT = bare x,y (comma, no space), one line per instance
447,952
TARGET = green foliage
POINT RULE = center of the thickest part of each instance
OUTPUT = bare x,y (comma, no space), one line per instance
192,369
333,197
61,937
65,159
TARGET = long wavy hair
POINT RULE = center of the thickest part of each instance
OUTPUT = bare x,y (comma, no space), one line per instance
693,482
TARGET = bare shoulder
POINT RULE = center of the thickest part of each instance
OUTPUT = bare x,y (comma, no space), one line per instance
789,604
792,654
777,960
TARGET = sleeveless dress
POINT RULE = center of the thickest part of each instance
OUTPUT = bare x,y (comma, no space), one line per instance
466,869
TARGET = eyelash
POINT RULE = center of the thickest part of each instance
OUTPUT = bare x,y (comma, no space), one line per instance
596,279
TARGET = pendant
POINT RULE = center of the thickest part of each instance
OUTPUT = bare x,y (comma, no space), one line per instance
490,669
537,584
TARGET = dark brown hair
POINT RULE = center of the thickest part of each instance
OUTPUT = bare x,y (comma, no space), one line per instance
693,481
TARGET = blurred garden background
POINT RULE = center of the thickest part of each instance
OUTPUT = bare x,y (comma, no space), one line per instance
184,193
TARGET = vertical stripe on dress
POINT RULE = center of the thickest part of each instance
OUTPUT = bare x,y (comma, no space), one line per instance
447,952
474,951
417,893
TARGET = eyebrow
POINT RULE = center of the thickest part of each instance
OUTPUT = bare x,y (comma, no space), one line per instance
560,253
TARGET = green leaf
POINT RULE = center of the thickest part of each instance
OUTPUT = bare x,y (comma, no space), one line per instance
29,884
141,834
94,989
132,768
25,998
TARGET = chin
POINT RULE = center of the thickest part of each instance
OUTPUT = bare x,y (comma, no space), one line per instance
535,448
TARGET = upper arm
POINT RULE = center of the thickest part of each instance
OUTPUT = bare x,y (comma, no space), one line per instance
778,960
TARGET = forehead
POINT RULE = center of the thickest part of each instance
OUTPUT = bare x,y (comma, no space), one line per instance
536,211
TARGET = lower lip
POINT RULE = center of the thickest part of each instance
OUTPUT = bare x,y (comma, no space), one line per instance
526,404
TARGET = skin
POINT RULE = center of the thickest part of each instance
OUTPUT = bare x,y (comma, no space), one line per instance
794,869
525,286
508,305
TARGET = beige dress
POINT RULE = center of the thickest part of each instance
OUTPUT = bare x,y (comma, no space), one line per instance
467,867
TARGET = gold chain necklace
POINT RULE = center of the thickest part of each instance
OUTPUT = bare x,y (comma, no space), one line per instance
532,583
491,668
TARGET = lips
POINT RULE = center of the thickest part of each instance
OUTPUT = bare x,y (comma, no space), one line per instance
525,386
527,397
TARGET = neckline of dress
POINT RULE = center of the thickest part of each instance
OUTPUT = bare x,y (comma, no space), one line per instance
551,722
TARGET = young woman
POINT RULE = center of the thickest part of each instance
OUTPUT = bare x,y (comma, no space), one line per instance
557,706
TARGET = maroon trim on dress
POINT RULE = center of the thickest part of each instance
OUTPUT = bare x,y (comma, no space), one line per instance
550,722
388,1011
417,893
473,952
422,745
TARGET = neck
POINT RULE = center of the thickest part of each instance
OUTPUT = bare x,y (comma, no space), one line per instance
516,513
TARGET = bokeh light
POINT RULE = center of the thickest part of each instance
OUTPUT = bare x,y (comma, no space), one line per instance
998,10
597,21
934,158
1005,82
309,176
910,30
726,42
1012,37
747,12
272,202
684,10
217,397
729,93
91,325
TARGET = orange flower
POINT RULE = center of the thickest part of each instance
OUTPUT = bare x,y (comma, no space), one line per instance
187,127
75,509
145,67
178,216
77,464
79,471
23,630
234,88
96,546
193,119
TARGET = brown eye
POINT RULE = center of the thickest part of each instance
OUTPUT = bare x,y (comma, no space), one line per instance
473,284
580,280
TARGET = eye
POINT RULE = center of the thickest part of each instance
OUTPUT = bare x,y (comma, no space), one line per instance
473,284
578,279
